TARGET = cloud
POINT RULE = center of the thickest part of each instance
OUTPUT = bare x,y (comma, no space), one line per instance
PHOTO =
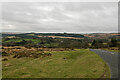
60,17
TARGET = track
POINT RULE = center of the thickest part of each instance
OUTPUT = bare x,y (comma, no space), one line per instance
111,58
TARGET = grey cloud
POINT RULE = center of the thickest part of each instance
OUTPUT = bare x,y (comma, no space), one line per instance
60,17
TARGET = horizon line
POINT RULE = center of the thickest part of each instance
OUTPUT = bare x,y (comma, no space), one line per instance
60,32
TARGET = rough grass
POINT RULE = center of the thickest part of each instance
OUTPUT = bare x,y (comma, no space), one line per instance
62,64
112,50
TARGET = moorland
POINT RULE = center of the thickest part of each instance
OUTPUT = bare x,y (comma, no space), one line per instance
56,55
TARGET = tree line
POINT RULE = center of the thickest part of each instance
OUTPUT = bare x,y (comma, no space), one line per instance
48,42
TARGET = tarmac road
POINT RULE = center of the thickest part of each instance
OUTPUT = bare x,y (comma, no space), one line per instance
111,58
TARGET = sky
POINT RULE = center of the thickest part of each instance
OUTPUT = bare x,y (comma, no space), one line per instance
73,17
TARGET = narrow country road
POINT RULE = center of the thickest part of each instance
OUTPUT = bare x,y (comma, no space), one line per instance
111,58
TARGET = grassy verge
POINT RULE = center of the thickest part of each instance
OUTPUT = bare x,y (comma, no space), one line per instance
62,64
112,50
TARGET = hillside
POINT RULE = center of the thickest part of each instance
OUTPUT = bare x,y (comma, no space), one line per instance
102,35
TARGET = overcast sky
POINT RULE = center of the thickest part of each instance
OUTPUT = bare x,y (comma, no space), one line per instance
60,17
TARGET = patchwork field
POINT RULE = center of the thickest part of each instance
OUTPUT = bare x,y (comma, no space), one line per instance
79,63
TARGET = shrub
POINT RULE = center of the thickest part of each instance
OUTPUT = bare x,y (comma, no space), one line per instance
4,54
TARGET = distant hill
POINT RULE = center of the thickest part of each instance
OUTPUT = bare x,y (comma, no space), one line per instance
44,34
61,34
64,35
10,32
102,35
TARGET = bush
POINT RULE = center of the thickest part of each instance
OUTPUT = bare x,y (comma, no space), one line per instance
4,54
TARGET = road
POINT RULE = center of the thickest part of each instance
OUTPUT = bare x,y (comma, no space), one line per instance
111,58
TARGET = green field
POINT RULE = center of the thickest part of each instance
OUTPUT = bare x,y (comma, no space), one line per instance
80,63
19,40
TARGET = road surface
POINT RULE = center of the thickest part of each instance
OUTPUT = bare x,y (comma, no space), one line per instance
111,58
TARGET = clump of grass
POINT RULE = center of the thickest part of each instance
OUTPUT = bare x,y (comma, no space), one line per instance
4,53
31,54
24,52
